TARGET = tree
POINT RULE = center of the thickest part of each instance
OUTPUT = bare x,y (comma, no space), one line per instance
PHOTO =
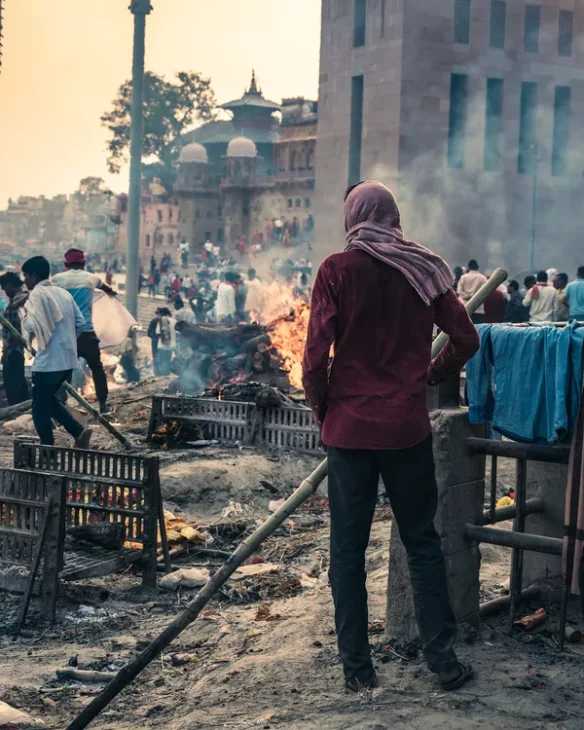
91,187
170,110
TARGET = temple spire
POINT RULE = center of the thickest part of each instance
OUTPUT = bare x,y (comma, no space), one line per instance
253,87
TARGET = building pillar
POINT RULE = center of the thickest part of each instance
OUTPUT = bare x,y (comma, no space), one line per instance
460,478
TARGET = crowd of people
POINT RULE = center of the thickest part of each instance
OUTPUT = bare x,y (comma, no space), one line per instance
224,296
547,296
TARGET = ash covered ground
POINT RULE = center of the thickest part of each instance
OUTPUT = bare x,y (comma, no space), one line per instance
263,654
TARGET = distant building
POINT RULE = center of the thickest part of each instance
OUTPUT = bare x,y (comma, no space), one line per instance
471,110
235,175
33,225
158,225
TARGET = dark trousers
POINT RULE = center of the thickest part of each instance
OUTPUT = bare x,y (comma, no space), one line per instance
132,372
154,346
46,406
88,349
15,385
163,362
410,482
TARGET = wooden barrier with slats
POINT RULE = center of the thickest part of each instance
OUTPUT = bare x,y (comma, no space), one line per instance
102,486
24,502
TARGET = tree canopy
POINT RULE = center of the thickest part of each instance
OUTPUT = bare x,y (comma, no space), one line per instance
170,109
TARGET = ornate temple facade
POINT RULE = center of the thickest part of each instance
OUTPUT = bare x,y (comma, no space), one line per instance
235,175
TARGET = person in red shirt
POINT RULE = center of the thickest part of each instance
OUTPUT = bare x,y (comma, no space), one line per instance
377,302
495,307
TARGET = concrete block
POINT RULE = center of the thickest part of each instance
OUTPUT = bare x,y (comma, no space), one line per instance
454,465
548,482
462,574
400,620
457,506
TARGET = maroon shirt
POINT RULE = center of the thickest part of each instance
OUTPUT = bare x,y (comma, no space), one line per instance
495,307
375,394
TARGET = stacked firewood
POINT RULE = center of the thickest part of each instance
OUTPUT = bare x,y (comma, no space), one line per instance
218,354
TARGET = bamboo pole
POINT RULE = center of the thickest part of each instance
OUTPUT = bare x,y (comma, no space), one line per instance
495,280
308,487
70,390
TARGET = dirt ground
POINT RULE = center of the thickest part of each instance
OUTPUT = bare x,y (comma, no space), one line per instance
263,655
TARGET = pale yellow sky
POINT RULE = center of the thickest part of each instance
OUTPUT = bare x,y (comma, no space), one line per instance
64,60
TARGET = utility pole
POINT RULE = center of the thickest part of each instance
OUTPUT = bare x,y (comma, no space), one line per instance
535,158
1,13
140,9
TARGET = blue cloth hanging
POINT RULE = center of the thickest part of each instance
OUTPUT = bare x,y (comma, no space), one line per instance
527,381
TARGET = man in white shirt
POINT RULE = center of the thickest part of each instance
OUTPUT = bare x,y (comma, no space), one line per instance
542,300
468,286
53,318
225,305
182,313
81,285
254,302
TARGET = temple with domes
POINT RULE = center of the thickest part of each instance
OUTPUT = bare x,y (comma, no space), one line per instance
236,174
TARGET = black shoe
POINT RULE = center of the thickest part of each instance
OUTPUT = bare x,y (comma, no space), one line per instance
358,684
105,409
84,439
453,679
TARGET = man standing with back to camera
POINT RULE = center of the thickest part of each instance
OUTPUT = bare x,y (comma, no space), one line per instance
377,303
81,285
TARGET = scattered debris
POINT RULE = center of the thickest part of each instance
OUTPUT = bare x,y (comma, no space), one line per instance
13,718
22,424
269,486
527,623
203,443
246,571
85,676
110,535
275,504
185,578
264,613
179,660
573,635
260,587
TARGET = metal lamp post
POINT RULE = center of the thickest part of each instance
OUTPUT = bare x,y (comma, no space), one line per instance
535,158
140,9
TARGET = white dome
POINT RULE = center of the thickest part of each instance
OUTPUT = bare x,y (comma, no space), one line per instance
241,147
193,152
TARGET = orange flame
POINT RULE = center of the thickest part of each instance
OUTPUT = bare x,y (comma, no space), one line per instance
288,334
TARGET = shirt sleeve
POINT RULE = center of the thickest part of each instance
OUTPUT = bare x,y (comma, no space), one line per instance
451,317
57,280
555,307
79,319
527,300
460,288
322,328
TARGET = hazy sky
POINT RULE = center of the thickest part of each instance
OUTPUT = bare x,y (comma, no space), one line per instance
64,60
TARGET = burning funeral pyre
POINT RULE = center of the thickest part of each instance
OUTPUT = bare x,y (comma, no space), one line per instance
215,355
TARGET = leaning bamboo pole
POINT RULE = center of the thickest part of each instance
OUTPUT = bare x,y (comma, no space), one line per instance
308,487
71,391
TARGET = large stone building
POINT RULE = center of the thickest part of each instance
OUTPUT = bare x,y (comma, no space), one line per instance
234,175
471,110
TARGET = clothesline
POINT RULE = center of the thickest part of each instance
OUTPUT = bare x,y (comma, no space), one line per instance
535,324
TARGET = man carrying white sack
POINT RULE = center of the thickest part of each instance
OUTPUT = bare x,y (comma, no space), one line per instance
55,321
